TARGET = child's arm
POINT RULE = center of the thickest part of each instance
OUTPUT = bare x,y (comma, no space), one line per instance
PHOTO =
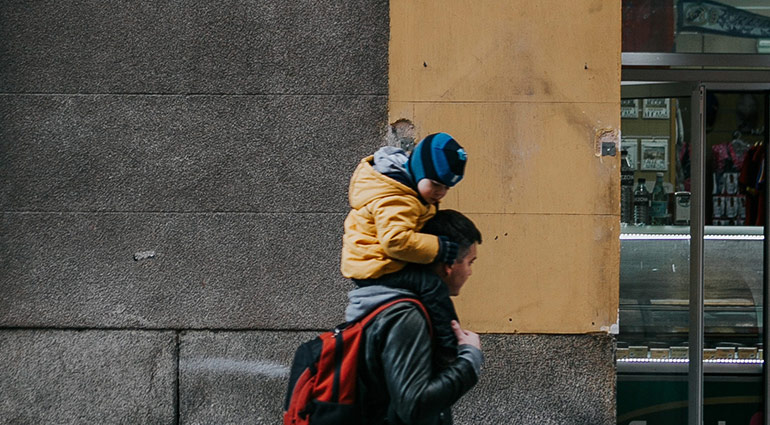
396,218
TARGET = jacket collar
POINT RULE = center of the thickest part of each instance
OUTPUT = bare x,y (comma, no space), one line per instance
363,300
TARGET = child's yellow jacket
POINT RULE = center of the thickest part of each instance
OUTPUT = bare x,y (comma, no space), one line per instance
381,230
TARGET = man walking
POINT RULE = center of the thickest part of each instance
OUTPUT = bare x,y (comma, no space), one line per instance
400,380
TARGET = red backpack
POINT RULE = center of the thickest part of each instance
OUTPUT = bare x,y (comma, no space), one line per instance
322,383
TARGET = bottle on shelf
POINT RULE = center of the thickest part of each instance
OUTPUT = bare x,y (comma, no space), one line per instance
642,199
659,210
626,189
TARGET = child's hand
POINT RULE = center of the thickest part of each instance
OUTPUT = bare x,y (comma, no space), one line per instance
447,250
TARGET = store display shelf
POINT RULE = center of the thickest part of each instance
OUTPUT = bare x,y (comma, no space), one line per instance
681,366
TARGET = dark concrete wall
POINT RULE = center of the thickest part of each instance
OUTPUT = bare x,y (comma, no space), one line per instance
173,181
218,137
167,166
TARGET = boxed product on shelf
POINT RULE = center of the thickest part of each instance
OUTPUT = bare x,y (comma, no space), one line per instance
680,352
637,352
747,352
725,353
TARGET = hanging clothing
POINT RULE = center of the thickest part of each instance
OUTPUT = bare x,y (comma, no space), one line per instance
752,183
728,161
729,156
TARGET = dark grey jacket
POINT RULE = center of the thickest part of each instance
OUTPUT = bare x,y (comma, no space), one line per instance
399,382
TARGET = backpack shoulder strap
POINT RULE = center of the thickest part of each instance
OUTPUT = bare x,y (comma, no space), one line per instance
372,314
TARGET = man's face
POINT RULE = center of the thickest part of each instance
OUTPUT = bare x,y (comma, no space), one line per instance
458,273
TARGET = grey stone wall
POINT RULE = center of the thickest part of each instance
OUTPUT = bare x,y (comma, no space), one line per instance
173,181
543,379
169,166
90,376
218,137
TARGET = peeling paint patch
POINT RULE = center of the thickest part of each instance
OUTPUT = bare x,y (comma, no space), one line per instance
613,329
401,134
606,141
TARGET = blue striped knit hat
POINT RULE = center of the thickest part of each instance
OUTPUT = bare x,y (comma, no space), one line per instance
438,157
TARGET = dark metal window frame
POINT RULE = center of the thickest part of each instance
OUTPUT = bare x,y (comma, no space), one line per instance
689,67
695,59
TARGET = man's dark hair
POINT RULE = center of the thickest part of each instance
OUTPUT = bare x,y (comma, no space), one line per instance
455,226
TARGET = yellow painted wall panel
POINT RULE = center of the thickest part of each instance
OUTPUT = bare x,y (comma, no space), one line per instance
525,86
543,273
485,50
527,157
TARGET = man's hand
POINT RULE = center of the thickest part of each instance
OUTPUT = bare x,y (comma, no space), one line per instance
465,337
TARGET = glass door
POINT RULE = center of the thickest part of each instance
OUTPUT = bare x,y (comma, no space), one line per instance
692,262
652,344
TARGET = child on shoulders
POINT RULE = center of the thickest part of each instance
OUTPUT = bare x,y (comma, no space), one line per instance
392,196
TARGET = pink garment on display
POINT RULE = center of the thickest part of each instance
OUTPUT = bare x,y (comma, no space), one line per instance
727,151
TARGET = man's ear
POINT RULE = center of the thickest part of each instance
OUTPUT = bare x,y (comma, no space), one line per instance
444,270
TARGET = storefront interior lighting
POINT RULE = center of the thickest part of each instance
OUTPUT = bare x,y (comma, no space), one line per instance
712,361
675,237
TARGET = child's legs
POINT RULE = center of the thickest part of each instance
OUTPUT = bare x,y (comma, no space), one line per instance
431,290
434,295
400,280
